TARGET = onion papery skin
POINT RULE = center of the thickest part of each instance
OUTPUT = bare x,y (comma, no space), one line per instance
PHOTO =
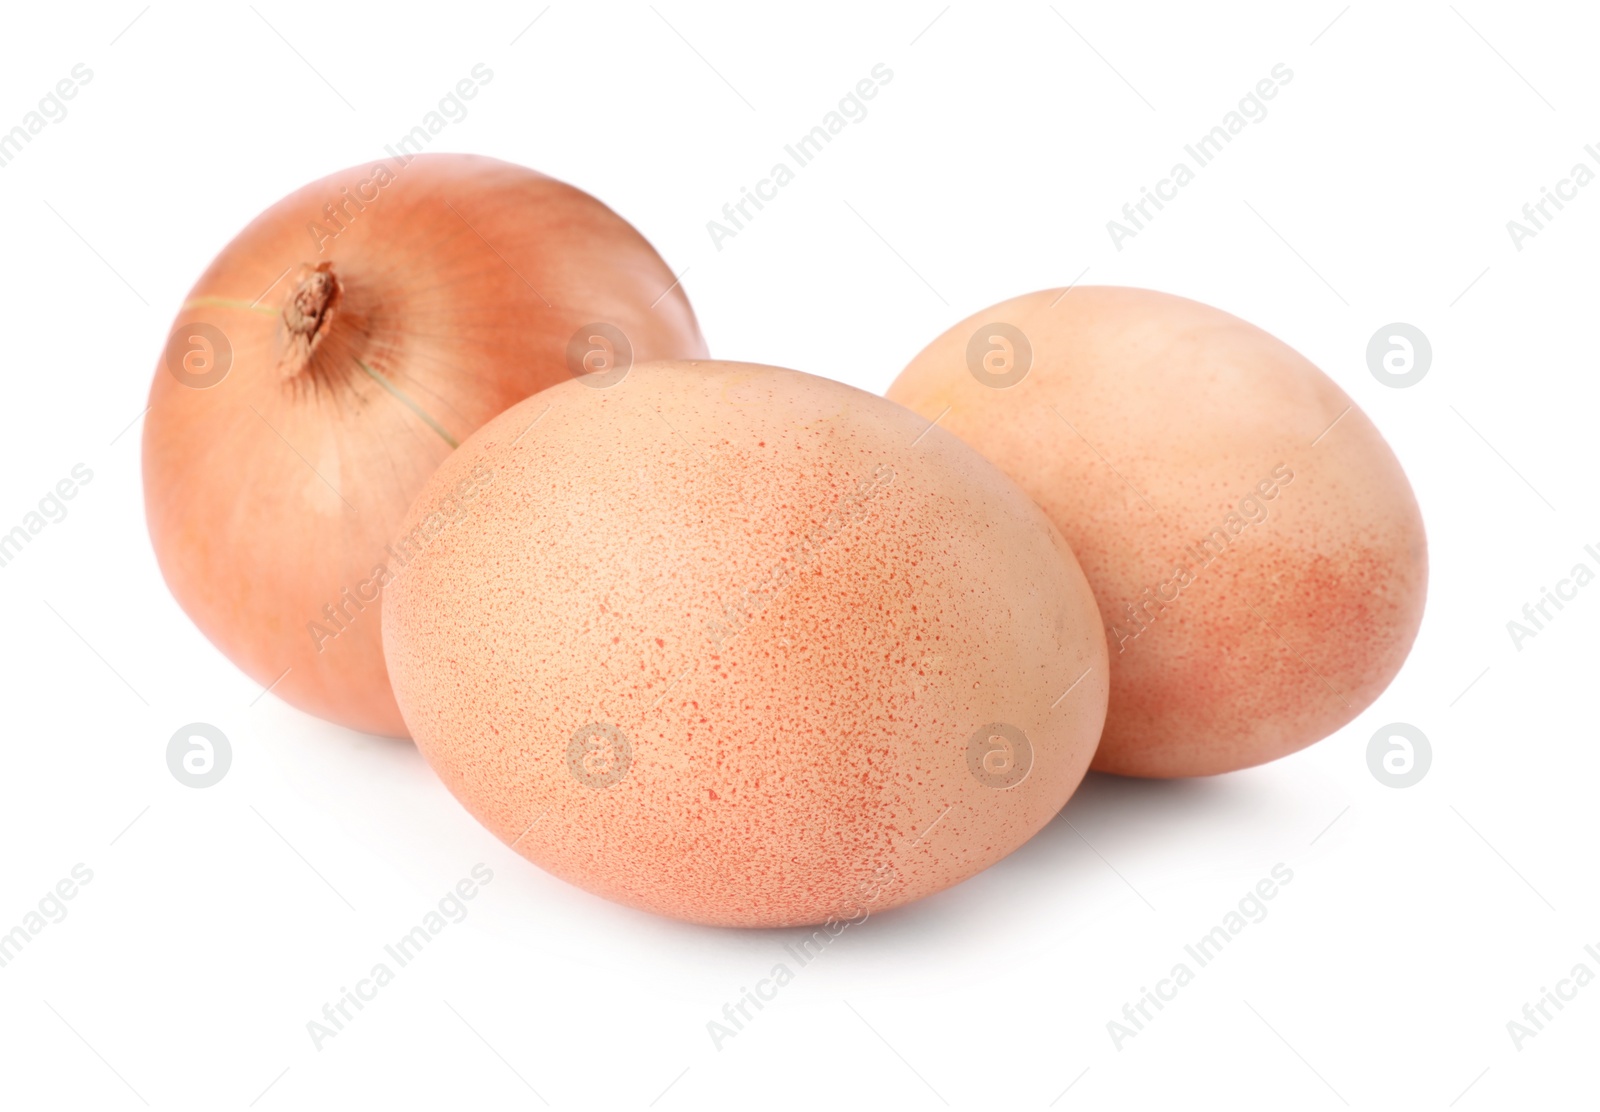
326,363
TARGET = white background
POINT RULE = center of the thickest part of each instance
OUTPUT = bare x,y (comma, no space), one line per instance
1419,921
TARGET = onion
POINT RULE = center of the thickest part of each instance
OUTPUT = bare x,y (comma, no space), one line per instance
332,356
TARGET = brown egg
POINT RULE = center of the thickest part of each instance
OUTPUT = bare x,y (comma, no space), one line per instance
743,646
1254,547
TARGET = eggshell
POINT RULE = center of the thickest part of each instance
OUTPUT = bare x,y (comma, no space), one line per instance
1255,549
743,646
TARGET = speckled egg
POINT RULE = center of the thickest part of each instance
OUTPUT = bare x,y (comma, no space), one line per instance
1256,552
743,646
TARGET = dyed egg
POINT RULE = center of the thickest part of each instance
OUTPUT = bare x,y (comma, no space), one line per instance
743,646
1255,549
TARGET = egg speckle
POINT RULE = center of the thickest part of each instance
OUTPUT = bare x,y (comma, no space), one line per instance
1255,550
724,642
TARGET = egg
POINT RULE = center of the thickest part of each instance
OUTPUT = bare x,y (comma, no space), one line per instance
1255,550
743,646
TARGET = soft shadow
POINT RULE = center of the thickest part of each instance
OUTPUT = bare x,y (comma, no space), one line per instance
1064,857
1054,873
1102,793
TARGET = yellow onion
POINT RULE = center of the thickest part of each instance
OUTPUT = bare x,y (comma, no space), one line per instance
332,356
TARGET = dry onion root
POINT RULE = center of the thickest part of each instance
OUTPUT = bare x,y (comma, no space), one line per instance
332,356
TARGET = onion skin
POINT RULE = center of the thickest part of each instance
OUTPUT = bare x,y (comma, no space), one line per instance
1144,425
359,348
